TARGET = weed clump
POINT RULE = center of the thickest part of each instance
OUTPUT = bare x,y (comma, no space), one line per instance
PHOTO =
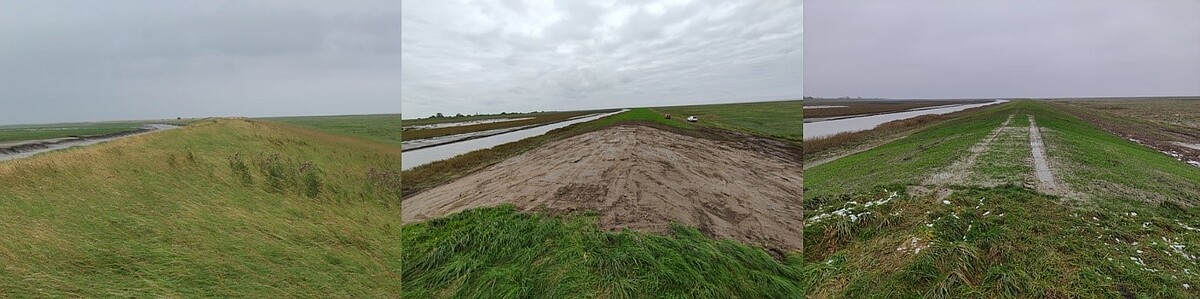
240,170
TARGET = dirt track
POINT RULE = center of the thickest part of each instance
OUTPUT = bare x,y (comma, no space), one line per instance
957,173
1046,181
640,178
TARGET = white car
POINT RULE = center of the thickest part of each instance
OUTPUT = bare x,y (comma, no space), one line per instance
693,118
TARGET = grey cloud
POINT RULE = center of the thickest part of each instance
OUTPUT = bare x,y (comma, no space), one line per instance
539,55
976,49
98,60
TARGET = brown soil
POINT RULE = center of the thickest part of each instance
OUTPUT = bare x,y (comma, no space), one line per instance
641,178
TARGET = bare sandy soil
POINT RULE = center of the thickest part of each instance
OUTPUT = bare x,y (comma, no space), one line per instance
641,178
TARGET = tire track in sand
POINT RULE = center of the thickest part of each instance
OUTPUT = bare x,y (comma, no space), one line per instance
1041,169
957,172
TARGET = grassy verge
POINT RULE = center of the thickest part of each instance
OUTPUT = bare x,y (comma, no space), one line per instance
782,120
829,146
221,208
378,127
499,253
905,161
536,119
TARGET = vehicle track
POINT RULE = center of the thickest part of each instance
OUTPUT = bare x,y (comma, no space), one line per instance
1041,168
957,172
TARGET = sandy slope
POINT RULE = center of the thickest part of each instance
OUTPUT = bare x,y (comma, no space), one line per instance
640,178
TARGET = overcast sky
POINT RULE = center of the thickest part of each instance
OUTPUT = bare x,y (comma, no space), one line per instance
492,56
977,49
110,60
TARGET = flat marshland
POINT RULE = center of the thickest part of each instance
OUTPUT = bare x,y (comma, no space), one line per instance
15,133
378,127
220,208
586,211
1170,125
961,209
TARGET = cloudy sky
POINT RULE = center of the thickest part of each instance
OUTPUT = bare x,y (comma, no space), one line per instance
492,56
111,60
975,49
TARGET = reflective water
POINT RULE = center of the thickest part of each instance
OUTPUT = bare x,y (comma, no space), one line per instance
854,124
418,157
464,123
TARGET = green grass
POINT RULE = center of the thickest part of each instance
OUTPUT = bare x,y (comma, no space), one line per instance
500,253
905,161
221,208
378,127
781,120
1131,229
13,133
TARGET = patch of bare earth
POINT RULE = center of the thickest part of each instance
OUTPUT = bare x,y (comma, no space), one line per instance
1041,169
957,172
644,179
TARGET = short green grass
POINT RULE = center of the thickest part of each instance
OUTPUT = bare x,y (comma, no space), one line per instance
221,208
1133,231
12,133
781,120
500,253
378,127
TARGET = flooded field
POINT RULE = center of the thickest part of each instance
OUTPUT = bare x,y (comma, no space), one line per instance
853,124
464,123
429,154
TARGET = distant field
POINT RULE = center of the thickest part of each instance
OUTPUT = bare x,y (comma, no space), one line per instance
227,208
11,133
378,127
450,119
1182,112
782,120
863,107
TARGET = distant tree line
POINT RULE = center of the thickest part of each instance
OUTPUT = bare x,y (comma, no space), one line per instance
440,115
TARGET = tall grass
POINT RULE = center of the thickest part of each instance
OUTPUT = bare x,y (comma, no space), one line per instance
500,253
129,218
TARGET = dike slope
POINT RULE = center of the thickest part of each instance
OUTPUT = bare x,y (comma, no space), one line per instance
220,208
641,178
